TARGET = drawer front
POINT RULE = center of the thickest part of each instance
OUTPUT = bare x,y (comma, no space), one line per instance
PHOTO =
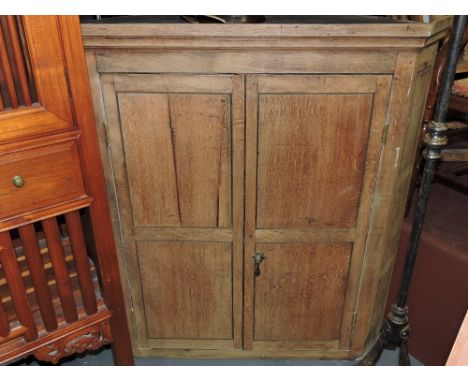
39,177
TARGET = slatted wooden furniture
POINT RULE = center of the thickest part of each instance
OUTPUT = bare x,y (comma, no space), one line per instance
60,290
258,177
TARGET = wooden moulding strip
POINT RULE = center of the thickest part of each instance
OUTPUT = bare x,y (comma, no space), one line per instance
241,354
409,30
43,213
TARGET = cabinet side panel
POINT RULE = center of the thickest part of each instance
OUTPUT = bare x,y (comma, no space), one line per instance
409,92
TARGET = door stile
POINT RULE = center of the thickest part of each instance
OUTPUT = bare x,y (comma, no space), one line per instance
251,118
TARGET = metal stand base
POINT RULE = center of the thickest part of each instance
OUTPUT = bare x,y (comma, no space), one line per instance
394,334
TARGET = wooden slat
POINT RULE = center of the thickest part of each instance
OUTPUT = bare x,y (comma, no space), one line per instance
459,103
6,68
81,261
25,273
455,155
38,276
31,289
14,333
1,102
4,326
16,286
16,44
54,243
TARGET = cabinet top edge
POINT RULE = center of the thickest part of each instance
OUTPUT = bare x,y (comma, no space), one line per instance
396,30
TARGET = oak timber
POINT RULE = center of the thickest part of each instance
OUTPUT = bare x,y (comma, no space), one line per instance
289,140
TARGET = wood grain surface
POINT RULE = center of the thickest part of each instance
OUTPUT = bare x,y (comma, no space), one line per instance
51,174
187,289
312,138
300,293
178,174
311,159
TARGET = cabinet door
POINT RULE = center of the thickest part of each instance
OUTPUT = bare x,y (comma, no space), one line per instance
177,151
313,146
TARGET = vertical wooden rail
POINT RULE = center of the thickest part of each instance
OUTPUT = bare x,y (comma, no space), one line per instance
16,44
4,62
38,277
95,185
4,325
15,284
59,265
78,246
250,207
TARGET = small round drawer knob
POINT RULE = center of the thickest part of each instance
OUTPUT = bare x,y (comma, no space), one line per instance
18,181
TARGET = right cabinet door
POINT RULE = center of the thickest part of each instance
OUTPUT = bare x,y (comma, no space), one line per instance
312,152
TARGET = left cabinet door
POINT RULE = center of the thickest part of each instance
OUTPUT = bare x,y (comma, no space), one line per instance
176,144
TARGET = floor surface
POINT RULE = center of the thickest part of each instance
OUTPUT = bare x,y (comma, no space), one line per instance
104,358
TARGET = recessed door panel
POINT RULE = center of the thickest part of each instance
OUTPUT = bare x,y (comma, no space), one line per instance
176,148
187,289
311,150
299,294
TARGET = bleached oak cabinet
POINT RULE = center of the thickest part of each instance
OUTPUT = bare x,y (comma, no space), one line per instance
258,177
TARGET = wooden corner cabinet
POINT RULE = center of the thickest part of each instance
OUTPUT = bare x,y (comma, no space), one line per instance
60,290
258,176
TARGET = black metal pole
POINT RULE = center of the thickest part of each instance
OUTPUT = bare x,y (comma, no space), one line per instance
395,328
435,140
